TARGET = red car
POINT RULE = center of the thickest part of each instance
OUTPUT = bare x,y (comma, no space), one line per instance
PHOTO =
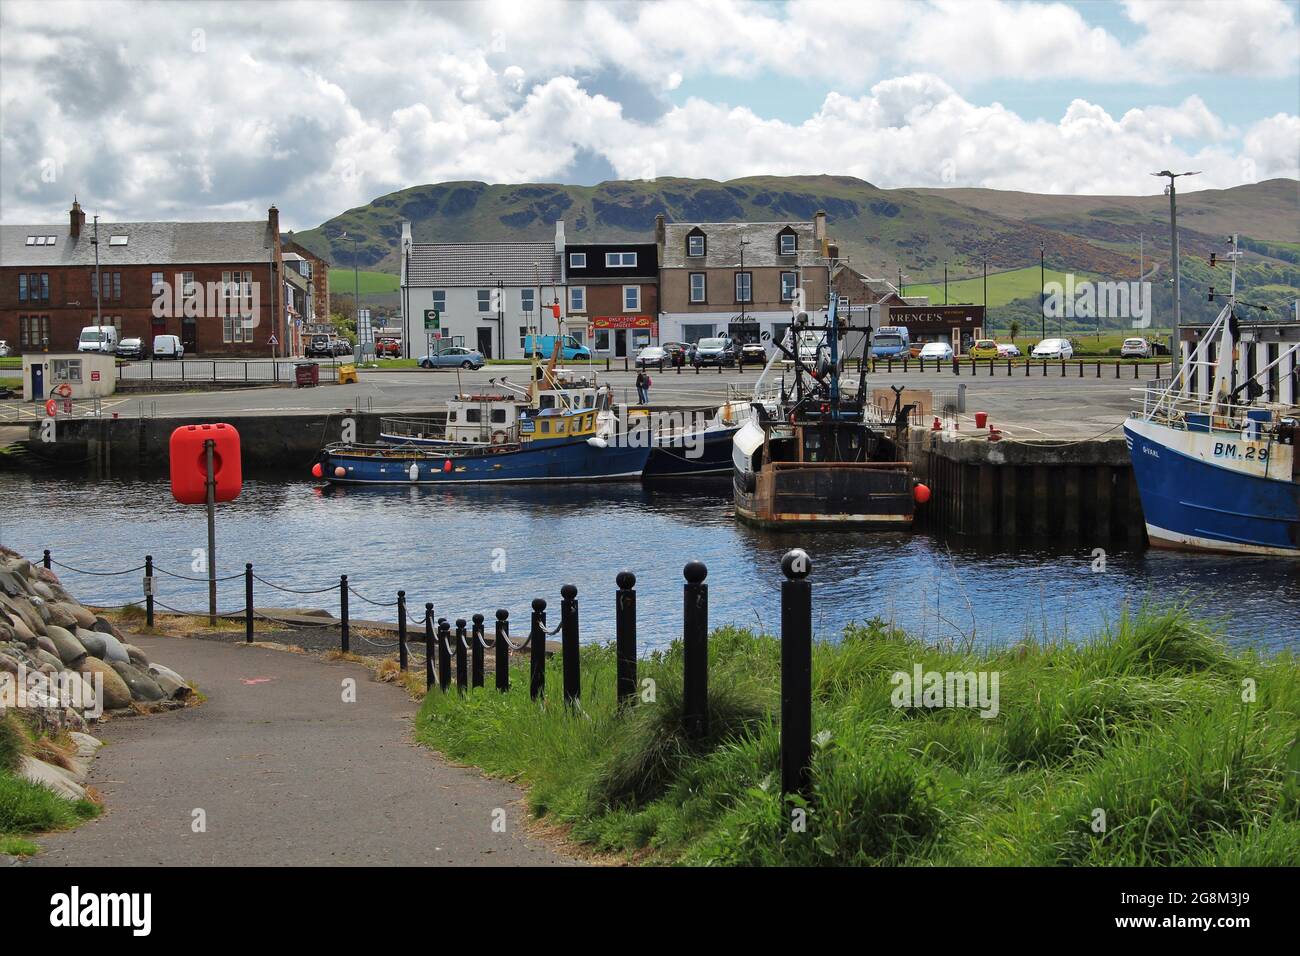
389,347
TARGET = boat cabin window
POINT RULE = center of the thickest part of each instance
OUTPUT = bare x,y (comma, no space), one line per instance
472,415
546,401
452,415
498,416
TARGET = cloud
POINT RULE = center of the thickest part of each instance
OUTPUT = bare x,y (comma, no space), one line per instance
210,114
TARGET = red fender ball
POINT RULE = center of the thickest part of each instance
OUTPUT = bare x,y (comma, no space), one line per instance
921,493
317,471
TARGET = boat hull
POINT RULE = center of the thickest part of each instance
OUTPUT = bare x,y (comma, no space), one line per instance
577,461
1197,497
673,458
865,496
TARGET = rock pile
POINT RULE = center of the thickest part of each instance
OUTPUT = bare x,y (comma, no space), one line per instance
69,665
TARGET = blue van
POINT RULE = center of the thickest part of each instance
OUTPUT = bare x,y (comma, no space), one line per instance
544,345
891,341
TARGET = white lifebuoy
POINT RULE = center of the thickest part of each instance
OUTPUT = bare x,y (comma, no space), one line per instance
499,437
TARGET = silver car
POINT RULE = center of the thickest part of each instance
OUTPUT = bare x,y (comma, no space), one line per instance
1135,348
454,357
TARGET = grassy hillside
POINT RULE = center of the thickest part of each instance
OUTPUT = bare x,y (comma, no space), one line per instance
1004,287
343,281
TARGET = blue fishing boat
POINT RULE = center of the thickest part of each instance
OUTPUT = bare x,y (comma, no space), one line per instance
1216,468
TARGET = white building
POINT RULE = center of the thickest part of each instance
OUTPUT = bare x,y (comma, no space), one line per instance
482,295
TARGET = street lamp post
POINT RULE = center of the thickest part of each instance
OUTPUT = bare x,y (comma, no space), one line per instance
356,292
1176,348
1042,289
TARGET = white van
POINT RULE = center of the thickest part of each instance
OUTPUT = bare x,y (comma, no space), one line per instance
98,338
168,346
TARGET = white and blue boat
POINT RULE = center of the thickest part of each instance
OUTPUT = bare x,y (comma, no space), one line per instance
1217,469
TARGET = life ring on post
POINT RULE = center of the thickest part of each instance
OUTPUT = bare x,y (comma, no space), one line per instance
51,408
63,391
499,437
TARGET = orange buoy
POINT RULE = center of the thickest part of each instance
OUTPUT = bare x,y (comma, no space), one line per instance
921,493
317,471
340,471
446,464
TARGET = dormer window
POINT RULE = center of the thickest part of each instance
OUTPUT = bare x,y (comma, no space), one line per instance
577,260
696,243
787,242
620,260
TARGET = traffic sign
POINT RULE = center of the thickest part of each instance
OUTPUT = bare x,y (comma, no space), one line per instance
432,320
273,340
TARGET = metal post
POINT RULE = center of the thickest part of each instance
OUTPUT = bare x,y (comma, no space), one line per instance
401,630
343,611
537,657
476,652
208,447
248,604
695,646
796,672
625,626
148,592
462,665
569,643
429,648
444,654
503,651
45,559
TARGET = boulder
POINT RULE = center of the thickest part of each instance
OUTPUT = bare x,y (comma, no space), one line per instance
11,586
87,746
9,663
84,617
47,645
50,660
141,685
70,648
171,683
61,614
116,693
21,608
42,590
137,657
48,775
113,649
94,643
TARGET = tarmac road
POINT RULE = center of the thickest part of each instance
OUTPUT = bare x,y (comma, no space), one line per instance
287,774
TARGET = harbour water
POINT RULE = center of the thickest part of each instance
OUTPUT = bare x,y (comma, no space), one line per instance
474,549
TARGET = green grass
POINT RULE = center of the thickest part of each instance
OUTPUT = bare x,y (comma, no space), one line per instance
1145,723
14,383
26,807
1004,287
343,282
11,361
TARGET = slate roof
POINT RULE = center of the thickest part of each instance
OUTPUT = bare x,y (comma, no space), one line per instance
149,243
722,246
483,264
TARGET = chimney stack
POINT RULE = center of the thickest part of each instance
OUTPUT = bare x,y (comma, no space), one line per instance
273,221
77,219
819,225
406,235
559,237
659,232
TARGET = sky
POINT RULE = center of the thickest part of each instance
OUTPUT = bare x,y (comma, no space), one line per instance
216,110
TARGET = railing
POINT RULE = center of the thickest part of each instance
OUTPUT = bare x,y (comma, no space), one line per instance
280,371
463,650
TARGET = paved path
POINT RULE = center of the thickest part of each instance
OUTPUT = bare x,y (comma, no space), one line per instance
288,774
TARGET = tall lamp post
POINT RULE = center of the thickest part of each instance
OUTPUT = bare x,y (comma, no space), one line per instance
1042,289
1175,346
356,293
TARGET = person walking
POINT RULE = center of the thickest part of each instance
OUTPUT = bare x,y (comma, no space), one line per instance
643,387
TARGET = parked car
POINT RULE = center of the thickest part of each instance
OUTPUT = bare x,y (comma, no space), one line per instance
454,357
543,346
1008,350
676,353
714,351
388,347
984,349
935,350
168,346
132,348
1135,348
4,348
319,346
342,347
651,355
753,353
1053,349
98,338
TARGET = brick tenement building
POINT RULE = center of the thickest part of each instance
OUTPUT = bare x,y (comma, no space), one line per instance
155,278
615,288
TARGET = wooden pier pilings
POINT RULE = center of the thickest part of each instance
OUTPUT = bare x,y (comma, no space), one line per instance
1081,492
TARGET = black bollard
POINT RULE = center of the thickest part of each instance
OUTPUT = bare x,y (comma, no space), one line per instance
476,652
569,643
444,654
429,653
45,559
462,665
401,630
796,672
695,650
344,633
537,656
248,604
503,651
148,589
625,627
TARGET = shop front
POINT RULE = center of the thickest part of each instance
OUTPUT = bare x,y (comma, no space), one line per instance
621,336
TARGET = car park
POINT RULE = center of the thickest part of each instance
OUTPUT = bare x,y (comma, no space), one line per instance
132,348
651,355
1053,349
454,357
936,350
719,350
1135,348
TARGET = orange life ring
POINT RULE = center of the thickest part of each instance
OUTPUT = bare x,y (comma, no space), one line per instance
499,437
64,390
51,408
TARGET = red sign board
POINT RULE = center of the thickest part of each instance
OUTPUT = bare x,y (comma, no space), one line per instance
622,322
189,463
94,376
